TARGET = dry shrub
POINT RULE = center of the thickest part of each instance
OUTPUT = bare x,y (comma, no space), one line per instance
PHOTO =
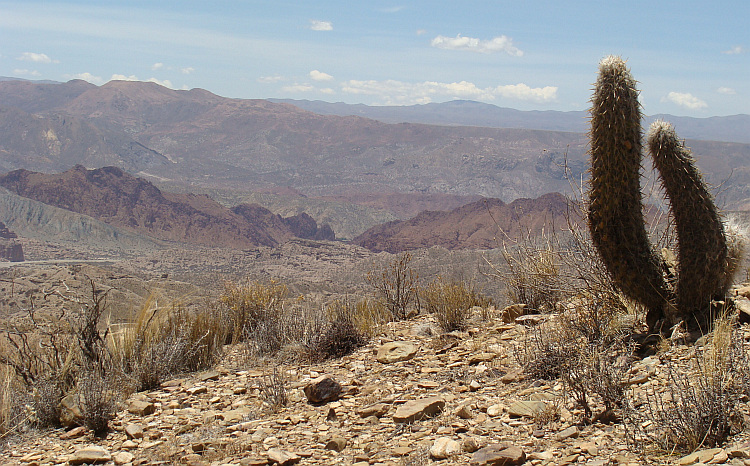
13,397
395,285
451,302
99,395
699,407
166,341
533,277
273,390
253,304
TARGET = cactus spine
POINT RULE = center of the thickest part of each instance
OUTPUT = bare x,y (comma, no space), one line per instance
615,215
701,242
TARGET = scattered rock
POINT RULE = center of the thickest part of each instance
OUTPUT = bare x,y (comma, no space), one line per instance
444,447
336,443
323,390
123,457
141,408
76,432
526,408
395,351
70,410
710,456
90,455
570,432
281,457
134,431
498,455
416,410
377,410
509,314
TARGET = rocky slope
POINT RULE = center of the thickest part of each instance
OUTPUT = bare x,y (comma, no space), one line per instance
484,224
410,397
130,203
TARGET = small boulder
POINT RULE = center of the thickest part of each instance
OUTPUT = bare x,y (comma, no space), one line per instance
281,457
444,447
498,454
90,455
395,351
416,410
322,390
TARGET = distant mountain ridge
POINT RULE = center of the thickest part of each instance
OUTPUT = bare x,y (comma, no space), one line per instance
196,139
119,199
484,224
734,128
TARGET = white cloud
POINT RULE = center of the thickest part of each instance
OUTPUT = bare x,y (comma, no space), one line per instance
316,25
685,100
165,83
36,58
320,76
122,77
187,70
496,44
157,66
24,72
726,91
88,77
737,49
327,90
270,79
393,92
298,88
421,32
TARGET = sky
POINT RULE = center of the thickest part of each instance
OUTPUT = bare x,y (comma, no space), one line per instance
691,58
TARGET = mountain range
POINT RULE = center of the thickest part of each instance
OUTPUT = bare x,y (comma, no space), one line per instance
165,150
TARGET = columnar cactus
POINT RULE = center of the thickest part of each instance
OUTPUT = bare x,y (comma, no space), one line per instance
615,214
701,242
616,217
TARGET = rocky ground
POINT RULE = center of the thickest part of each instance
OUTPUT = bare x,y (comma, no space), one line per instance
410,397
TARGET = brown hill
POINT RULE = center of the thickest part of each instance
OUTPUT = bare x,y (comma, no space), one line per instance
484,224
114,197
212,142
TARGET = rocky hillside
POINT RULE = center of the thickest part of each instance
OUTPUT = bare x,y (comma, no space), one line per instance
121,200
483,224
10,249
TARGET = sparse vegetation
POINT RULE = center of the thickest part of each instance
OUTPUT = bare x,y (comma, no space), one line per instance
451,302
396,285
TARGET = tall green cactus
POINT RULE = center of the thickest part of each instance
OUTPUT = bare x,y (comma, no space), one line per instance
616,217
701,243
615,214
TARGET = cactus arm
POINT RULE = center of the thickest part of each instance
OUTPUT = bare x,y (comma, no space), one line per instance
615,216
702,246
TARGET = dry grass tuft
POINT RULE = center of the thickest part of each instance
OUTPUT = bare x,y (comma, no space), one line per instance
451,302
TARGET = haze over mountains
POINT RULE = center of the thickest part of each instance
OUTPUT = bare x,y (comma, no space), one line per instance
295,160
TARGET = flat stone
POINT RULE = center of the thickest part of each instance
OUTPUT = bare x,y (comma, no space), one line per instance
481,357
704,456
395,351
401,451
141,408
570,432
322,390
134,431
444,447
377,410
495,410
76,432
526,408
416,410
89,455
498,455
281,457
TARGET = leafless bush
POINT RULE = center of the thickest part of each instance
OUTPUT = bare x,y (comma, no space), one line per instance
273,390
166,341
99,395
533,276
699,406
451,302
396,285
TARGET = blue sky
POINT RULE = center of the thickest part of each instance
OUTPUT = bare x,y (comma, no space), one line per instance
690,57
